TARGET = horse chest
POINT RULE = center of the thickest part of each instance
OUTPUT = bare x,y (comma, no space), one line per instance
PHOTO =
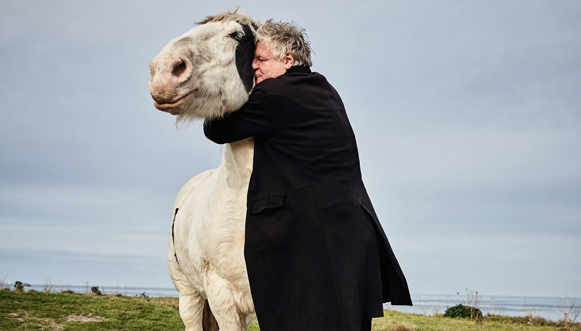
209,230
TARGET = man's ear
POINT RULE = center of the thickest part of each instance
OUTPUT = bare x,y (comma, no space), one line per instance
289,61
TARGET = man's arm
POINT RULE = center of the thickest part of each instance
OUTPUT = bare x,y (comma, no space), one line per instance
253,119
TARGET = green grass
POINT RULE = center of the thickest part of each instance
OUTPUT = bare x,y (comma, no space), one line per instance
398,321
62,311
57,311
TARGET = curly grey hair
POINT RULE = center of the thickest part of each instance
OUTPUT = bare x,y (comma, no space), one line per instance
286,37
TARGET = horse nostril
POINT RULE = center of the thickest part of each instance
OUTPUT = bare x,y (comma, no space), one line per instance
178,68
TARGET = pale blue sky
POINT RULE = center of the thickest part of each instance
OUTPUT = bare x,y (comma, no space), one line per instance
467,116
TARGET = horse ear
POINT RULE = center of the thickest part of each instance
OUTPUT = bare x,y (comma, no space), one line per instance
244,56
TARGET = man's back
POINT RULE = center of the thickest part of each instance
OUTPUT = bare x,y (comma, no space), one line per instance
314,247
311,134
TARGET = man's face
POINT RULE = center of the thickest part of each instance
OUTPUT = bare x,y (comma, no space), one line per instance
266,66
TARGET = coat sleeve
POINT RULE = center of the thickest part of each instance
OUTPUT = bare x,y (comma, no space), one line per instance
253,119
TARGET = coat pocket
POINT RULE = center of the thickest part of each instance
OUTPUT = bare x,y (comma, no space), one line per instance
260,205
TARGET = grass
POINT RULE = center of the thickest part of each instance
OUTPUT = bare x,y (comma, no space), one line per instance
69,311
65,311
398,321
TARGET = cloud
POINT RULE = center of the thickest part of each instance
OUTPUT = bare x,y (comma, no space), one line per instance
494,264
466,115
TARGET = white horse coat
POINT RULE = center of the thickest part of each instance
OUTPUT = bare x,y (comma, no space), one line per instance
203,74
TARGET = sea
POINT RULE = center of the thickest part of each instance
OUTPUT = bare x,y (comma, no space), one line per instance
551,308
124,290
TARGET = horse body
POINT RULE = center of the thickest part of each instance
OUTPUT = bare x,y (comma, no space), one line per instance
205,257
204,74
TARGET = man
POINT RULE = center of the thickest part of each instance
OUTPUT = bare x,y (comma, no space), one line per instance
316,254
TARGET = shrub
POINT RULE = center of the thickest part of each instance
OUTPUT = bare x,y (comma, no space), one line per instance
463,312
95,290
18,286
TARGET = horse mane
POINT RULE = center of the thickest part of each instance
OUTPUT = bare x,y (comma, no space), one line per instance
232,16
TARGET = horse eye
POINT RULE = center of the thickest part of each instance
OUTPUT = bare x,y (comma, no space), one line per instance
237,35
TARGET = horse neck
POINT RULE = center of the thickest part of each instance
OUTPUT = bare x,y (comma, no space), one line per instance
236,166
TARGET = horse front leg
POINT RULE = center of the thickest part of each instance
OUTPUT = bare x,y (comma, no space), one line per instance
223,303
192,311
191,303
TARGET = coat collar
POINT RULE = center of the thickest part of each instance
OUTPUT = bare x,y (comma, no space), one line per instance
298,70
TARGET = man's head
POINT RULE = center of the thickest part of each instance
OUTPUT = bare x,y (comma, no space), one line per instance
279,46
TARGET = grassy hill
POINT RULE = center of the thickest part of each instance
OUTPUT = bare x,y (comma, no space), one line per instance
69,311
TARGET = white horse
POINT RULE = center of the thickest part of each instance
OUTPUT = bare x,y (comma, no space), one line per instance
206,73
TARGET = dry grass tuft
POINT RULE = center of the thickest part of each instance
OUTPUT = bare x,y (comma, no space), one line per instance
382,324
85,318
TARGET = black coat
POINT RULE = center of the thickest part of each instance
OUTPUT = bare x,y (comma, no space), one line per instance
316,254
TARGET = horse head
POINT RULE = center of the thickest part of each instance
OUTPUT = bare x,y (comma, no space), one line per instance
207,71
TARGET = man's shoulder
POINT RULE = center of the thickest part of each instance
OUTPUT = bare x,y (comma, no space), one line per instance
284,83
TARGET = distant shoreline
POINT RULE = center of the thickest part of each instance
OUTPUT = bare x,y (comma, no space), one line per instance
124,290
519,306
